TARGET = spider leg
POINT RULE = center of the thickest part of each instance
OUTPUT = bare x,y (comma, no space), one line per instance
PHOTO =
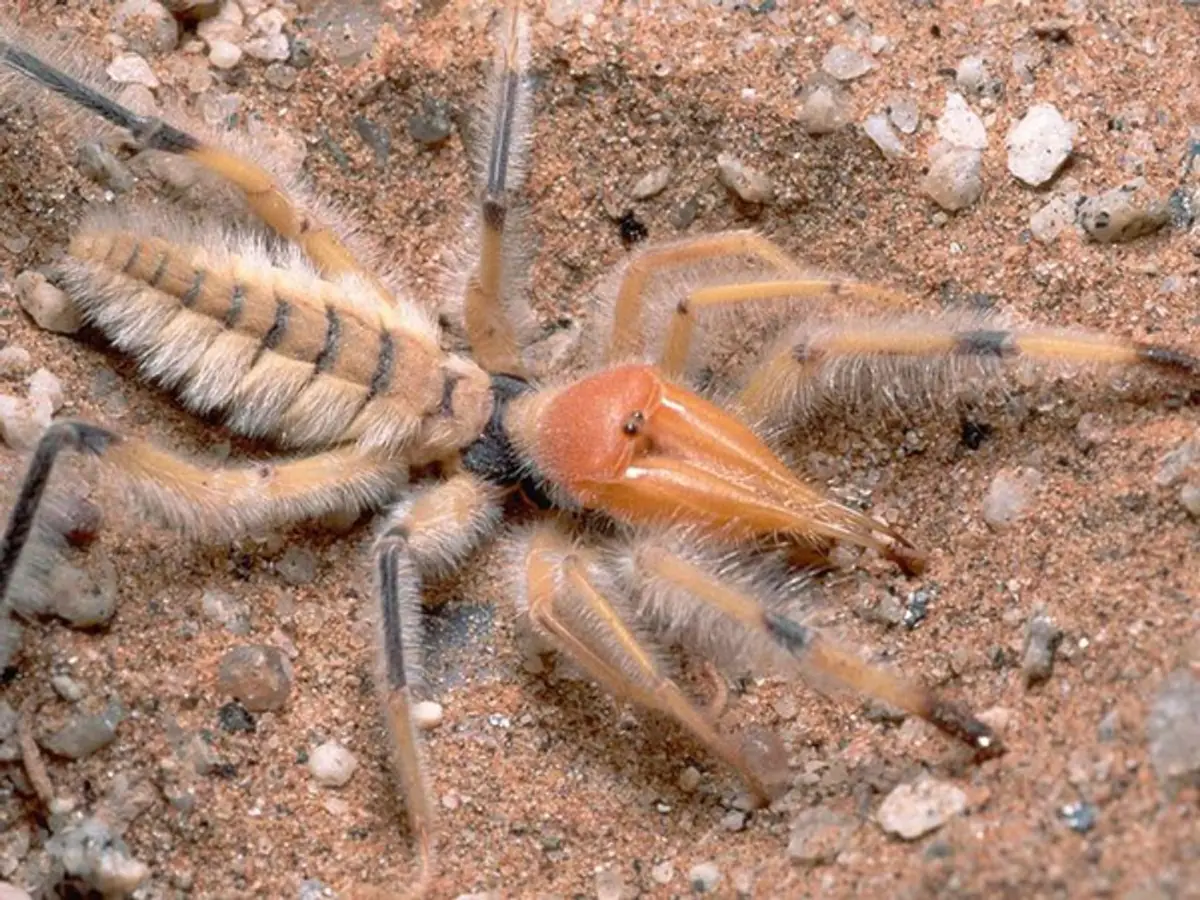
489,319
627,337
572,604
426,535
683,321
676,590
201,501
926,355
264,195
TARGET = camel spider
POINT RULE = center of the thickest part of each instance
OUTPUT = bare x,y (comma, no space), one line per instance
664,517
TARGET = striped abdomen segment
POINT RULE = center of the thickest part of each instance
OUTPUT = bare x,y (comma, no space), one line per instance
280,352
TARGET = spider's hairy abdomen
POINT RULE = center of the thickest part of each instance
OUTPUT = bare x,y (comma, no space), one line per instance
282,353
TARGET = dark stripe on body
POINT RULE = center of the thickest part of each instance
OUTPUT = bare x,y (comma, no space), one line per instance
794,637
237,303
133,258
389,613
992,343
192,294
160,270
333,335
385,365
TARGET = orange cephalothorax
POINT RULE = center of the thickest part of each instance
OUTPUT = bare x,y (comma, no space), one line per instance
630,443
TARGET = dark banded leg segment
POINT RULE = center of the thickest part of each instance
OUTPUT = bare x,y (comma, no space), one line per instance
424,536
688,585
801,364
490,328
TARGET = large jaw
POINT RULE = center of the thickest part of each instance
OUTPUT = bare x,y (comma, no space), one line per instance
630,443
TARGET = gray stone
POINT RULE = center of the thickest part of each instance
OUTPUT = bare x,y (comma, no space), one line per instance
1054,218
704,877
819,835
81,600
259,677
954,181
913,810
1121,215
880,132
651,184
846,63
432,124
147,26
1173,730
1042,637
47,305
1189,498
85,733
225,608
131,68
904,114
297,566
332,765
1009,496
96,162
824,107
748,183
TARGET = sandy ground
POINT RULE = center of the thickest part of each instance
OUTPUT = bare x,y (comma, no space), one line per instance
545,787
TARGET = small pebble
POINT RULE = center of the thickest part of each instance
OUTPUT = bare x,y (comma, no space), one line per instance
609,885
268,48
824,108
905,114
819,835
427,715
734,820
704,877
130,68
953,181
50,307
1054,218
912,810
1173,729
99,164
432,124
146,25
45,385
281,76
1176,465
224,54
663,872
959,126
880,131
1079,816
258,676
1042,637
971,75
748,183
226,609
67,688
233,718
332,765
85,733
652,183
8,720
846,63
1039,144
14,360
79,599
1189,498
1117,216
22,421
689,779
1009,496
297,566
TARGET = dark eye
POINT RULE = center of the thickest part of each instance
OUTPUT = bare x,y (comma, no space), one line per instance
634,423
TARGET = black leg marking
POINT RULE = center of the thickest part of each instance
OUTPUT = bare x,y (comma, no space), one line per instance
192,294
133,258
1169,358
959,723
393,556
794,637
993,343
58,437
385,366
160,269
151,132
237,303
333,334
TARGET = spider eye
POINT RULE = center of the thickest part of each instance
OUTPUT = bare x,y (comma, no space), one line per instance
633,425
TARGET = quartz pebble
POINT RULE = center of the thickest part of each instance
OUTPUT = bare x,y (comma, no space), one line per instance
959,126
1189,498
85,733
904,114
954,181
846,63
1039,144
427,715
1054,218
146,25
1042,637
1120,215
1173,729
130,68
46,304
224,54
81,600
332,765
652,183
43,384
1009,496
750,184
14,360
819,835
912,810
879,130
823,108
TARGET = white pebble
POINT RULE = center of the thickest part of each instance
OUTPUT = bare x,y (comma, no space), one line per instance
905,114
912,810
1189,496
971,74
652,183
953,181
880,131
427,715
270,48
750,184
704,877
22,421
960,126
1055,217
1009,495
44,384
50,307
332,765
224,54
14,360
824,109
846,63
129,68
1039,144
